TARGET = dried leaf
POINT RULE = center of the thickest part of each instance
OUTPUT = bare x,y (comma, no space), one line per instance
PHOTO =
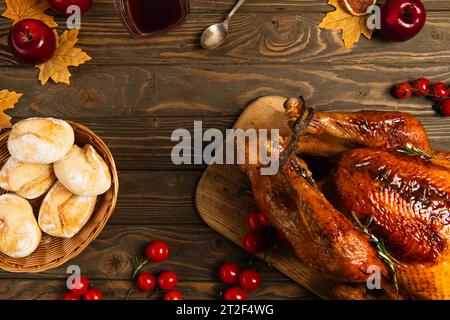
7,101
352,26
17,10
65,55
358,7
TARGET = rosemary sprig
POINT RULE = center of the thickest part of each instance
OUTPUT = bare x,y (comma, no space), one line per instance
382,252
412,151
138,263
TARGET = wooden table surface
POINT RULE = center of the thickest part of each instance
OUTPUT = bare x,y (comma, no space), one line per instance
134,93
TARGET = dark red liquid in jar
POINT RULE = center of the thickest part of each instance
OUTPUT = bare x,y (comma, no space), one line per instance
153,16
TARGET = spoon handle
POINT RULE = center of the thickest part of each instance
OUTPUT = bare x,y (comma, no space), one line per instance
236,7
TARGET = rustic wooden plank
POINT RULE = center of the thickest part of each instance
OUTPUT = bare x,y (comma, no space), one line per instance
145,157
255,38
157,198
135,109
121,93
208,6
18,289
139,146
196,254
166,197
262,38
136,145
290,5
145,144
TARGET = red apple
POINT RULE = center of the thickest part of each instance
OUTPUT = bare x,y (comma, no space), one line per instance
401,20
32,41
61,6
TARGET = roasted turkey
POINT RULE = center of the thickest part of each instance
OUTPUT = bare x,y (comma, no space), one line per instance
347,170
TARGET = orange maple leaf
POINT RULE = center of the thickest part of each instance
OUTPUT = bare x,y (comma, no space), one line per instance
352,26
17,10
7,101
65,55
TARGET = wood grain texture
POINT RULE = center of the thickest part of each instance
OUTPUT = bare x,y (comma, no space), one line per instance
255,38
135,92
140,147
135,109
196,254
13,289
120,93
279,5
157,198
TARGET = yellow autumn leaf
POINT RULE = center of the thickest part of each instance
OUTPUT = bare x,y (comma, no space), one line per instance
17,10
7,101
65,55
352,26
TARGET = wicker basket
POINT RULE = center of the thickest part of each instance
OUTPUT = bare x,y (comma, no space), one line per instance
54,251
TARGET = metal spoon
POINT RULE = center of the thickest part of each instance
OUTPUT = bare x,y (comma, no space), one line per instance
216,34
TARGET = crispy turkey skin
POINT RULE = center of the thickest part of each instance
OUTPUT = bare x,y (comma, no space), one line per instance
407,196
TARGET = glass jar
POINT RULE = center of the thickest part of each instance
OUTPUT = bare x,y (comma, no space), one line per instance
148,17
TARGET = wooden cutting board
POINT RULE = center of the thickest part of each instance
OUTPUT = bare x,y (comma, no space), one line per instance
224,207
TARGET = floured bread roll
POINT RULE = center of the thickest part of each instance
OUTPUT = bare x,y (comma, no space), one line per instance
40,140
83,172
63,214
28,180
19,232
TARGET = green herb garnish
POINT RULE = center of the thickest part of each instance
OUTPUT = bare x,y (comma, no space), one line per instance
412,151
382,252
138,263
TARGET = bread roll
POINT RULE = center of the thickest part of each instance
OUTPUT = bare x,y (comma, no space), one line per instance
63,214
28,180
40,140
19,231
83,172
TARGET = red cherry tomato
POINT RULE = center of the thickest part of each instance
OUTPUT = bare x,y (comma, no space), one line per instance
157,251
167,280
422,87
70,296
403,90
93,294
79,290
249,280
253,243
445,107
440,91
173,295
229,273
263,220
253,222
235,293
146,281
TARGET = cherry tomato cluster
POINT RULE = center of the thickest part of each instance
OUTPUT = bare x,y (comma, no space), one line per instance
257,223
422,87
83,290
249,280
158,251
